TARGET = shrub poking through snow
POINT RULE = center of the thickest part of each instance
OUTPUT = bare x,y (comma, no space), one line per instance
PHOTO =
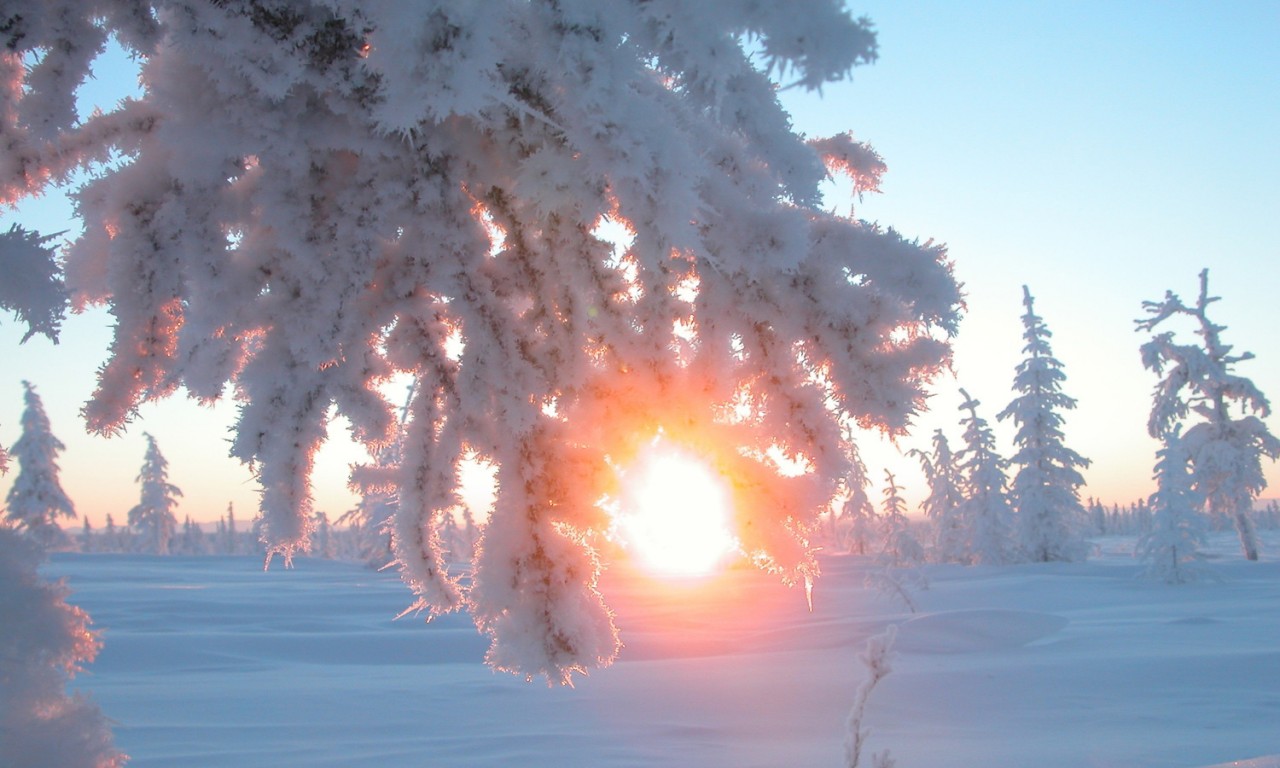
875,657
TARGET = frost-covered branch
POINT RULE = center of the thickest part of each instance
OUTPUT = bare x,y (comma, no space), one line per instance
31,284
876,658
575,224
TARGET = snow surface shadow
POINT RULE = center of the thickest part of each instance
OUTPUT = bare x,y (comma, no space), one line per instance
975,631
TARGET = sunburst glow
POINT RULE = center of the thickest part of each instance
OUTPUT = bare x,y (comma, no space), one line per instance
675,514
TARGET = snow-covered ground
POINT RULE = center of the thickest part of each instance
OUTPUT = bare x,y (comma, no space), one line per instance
211,662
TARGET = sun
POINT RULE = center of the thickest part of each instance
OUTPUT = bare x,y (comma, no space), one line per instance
675,514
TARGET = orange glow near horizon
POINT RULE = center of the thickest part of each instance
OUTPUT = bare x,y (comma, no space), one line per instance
675,516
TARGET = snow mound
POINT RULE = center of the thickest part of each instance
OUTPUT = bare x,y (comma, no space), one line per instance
975,631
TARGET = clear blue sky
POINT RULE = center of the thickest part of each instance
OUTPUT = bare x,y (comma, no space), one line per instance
1097,152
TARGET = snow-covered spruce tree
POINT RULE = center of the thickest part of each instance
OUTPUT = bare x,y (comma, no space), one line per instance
319,194
1046,487
373,519
36,499
192,541
1171,549
900,544
943,506
153,517
853,527
43,641
1228,441
986,512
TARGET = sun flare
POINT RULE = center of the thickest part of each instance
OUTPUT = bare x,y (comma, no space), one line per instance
675,515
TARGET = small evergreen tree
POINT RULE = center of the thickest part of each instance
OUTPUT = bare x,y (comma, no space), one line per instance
1225,451
1171,548
1046,488
986,511
942,507
373,517
193,540
111,539
900,544
36,499
230,542
153,517
1098,516
855,525
322,544
87,543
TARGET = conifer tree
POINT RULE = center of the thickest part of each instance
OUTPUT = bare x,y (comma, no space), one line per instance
1228,439
986,511
230,538
322,193
45,642
36,499
1172,547
856,523
111,536
1046,488
153,517
193,540
900,544
943,506
323,545
87,539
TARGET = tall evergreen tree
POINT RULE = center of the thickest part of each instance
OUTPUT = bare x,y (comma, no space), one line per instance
153,516
1046,488
986,511
943,506
1228,441
1171,548
36,499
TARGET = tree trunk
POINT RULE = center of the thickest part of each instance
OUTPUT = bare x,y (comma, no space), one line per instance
1248,538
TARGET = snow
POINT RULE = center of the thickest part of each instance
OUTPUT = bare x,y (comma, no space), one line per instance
209,661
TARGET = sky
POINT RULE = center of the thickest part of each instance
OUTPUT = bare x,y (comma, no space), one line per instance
1099,153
